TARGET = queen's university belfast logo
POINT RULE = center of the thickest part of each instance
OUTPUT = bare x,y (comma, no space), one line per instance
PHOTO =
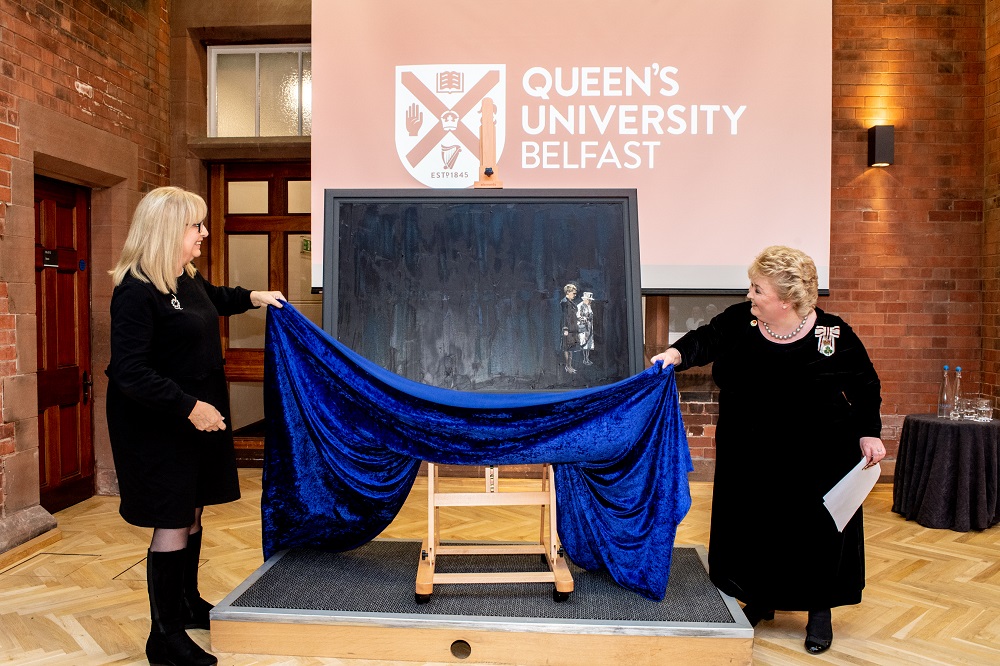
438,117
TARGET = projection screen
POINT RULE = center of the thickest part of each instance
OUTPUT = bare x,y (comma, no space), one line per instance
717,112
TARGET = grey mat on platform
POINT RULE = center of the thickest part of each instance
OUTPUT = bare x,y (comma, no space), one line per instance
379,577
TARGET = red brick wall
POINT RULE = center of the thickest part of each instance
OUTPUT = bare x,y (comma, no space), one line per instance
906,241
991,197
7,353
103,63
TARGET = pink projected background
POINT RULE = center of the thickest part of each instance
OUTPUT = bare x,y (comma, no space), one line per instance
718,113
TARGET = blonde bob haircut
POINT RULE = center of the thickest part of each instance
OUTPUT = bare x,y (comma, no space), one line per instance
793,274
154,243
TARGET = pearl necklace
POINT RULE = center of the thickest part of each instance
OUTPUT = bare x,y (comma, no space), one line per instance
790,335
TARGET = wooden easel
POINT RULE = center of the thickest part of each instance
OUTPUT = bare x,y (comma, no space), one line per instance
547,546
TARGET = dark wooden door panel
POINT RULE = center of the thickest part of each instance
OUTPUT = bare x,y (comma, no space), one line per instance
58,387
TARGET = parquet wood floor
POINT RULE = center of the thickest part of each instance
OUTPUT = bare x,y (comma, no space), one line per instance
933,596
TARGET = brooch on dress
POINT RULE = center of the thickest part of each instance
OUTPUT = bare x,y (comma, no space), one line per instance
753,322
174,302
827,335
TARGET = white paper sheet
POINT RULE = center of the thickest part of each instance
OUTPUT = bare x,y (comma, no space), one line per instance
844,498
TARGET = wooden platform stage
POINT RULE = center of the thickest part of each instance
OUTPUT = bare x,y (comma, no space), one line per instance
361,605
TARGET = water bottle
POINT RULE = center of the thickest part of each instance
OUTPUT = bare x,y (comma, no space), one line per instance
956,395
946,397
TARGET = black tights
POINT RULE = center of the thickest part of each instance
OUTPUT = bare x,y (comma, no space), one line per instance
167,540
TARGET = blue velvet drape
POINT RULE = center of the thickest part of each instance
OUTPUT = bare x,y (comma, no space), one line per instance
345,438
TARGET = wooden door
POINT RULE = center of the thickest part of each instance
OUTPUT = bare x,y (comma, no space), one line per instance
62,289
258,223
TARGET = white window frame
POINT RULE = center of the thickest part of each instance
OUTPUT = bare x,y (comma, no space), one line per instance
256,50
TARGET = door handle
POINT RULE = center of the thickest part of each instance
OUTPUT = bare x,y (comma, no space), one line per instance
88,383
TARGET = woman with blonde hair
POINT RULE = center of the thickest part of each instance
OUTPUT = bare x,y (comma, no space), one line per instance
798,408
168,404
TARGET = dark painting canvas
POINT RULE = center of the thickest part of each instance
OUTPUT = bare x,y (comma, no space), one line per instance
509,290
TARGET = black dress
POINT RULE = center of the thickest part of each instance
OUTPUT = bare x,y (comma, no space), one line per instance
790,421
163,360
570,329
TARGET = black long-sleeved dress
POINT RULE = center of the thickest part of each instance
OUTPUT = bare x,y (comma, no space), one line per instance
570,330
790,421
163,360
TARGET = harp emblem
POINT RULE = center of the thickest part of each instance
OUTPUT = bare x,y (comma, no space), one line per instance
449,154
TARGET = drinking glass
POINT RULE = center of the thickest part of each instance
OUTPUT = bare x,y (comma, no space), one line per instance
964,409
957,410
984,409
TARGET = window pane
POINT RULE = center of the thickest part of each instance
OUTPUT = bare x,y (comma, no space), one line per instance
307,97
246,401
689,312
299,196
248,268
236,94
279,94
247,197
300,279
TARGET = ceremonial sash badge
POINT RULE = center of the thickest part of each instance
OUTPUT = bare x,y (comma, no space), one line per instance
826,335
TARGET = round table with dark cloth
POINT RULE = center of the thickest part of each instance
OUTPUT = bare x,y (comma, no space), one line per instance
947,473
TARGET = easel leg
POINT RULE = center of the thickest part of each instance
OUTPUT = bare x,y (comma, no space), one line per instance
557,561
428,549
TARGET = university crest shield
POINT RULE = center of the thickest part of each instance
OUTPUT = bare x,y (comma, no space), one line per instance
438,117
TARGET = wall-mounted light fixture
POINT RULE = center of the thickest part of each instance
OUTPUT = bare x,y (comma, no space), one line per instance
881,145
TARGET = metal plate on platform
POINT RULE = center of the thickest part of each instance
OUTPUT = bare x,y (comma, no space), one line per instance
376,581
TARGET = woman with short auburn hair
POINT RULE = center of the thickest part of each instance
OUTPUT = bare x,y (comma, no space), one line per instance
798,409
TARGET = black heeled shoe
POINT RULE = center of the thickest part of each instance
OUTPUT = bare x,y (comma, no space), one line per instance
819,631
755,614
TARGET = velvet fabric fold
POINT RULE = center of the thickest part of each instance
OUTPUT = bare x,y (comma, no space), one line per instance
345,438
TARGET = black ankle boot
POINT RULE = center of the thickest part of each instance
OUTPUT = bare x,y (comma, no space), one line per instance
176,649
755,614
819,631
168,644
196,609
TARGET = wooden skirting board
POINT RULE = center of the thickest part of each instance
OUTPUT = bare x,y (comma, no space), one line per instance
29,548
468,645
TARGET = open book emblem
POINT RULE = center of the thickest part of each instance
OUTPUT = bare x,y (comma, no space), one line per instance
437,120
450,82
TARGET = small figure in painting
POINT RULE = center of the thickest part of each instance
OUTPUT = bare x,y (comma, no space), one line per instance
570,328
585,324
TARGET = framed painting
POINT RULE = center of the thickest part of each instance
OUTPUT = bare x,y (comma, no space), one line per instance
486,290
